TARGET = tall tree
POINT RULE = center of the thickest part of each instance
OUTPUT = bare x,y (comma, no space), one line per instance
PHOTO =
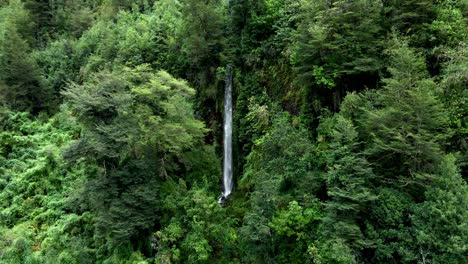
405,126
441,221
388,226
279,169
138,125
337,49
20,82
455,96
202,40
348,183
408,16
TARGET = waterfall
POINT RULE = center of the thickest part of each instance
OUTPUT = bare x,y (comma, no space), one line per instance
227,164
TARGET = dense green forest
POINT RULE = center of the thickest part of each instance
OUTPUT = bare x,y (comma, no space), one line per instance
350,133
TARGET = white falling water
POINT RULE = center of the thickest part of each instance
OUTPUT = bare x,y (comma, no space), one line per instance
227,166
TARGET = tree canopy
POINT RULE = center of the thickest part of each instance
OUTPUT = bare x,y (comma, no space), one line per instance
349,131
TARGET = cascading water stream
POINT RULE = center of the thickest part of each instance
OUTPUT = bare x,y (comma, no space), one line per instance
227,165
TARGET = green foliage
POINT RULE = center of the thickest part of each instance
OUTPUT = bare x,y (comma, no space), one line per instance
73,18
295,231
16,246
441,221
195,227
338,39
202,32
333,251
58,65
350,128
20,82
409,17
15,14
127,110
337,48
137,126
448,27
455,95
390,228
405,129
69,240
284,149
131,39
347,180
250,102
37,191
280,169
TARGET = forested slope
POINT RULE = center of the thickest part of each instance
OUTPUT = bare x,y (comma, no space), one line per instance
350,131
